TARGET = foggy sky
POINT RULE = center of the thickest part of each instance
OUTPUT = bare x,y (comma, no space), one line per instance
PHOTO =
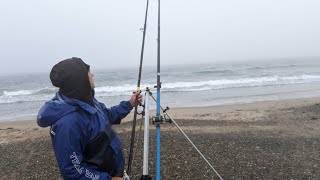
36,34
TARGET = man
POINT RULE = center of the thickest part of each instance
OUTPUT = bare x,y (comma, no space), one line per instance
85,144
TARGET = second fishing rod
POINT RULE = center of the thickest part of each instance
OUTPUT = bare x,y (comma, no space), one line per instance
131,152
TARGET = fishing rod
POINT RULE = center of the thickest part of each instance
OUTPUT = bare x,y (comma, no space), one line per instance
138,90
158,116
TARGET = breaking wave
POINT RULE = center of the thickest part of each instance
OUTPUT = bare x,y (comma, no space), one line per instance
127,89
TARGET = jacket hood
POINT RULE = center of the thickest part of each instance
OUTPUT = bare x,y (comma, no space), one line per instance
71,76
58,107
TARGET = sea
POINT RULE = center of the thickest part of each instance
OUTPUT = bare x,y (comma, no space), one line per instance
184,85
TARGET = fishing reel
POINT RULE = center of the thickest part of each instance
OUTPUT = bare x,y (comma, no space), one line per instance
160,119
157,119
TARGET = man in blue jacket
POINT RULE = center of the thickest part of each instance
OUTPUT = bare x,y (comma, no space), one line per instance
85,144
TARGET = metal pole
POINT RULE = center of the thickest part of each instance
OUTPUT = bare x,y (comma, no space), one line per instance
158,152
146,137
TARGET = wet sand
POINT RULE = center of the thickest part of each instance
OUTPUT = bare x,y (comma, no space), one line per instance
263,140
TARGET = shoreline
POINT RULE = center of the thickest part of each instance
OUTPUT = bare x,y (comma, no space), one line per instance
11,131
214,104
202,108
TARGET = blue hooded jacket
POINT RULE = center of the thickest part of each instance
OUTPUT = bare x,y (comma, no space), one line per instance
74,124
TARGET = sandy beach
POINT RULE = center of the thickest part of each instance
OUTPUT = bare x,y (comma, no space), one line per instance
262,140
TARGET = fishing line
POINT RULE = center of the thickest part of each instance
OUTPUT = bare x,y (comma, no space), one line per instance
194,146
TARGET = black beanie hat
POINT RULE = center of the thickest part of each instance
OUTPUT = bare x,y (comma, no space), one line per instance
71,76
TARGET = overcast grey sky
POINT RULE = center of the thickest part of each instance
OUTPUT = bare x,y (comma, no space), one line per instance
36,34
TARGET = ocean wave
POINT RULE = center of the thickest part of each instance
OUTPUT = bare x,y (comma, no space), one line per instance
26,98
255,68
20,96
271,67
16,93
45,90
43,94
242,82
122,90
215,72
211,84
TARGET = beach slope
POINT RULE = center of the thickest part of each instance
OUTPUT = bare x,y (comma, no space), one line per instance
263,140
